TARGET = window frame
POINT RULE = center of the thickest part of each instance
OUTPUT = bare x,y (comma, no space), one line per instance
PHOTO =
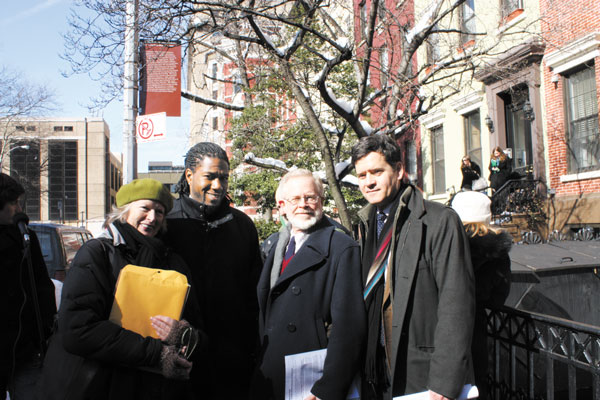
573,166
439,182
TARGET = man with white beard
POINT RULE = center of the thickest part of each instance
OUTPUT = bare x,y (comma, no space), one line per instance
310,296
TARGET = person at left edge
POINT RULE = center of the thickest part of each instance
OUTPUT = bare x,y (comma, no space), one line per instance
90,357
310,296
20,352
220,245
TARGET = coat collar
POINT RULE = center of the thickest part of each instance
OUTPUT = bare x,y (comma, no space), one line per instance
415,204
312,252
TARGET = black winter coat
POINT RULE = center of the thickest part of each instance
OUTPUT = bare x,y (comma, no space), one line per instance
315,304
499,175
223,254
469,174
15,282
491,263
93,358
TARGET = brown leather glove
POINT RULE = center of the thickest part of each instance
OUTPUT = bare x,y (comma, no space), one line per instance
173,365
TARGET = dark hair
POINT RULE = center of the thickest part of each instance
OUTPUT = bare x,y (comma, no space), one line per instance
194,156
498,149
10,189
377,143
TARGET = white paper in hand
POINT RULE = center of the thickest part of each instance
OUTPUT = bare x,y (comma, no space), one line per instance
303,370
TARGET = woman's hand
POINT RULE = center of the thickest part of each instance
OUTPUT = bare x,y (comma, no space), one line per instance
163,325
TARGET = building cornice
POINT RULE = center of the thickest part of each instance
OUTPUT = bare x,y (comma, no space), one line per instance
512,61
432,119
468,103
575,53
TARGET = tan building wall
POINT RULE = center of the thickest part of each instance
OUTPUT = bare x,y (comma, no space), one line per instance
96,184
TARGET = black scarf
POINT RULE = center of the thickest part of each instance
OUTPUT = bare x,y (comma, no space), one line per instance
142,250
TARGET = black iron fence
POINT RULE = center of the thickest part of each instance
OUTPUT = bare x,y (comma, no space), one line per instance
535,356
519,196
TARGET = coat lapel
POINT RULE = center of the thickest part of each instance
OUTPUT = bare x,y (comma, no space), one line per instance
406,261
312,252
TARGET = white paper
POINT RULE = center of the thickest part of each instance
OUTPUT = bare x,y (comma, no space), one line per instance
468,392
303,370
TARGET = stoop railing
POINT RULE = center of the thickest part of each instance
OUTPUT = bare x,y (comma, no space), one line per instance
535,356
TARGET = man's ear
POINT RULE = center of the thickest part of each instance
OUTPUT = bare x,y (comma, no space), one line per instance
188,176
281,203
400,169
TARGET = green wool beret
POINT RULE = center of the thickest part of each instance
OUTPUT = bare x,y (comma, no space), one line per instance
144,189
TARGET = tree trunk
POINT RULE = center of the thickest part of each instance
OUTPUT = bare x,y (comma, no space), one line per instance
316,126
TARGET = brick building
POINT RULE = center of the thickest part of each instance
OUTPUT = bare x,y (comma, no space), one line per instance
570,83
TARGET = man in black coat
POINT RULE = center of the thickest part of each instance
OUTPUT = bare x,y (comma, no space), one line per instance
419,284
220,246
21,348
309,295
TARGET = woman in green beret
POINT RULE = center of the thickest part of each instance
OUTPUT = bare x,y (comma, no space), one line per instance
93,358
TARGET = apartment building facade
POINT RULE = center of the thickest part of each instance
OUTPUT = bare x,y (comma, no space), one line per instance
66,166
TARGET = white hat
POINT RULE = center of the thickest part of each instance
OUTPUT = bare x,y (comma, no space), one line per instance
472,207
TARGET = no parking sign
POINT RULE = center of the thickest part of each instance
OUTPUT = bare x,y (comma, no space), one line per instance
151,127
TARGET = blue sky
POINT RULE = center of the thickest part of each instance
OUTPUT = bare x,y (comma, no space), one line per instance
31,42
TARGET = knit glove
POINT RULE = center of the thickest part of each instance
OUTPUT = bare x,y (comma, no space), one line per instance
184,337
174,337
173,365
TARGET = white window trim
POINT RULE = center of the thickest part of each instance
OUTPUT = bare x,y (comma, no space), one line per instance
574,54
580,176
512,22
432,120
468,103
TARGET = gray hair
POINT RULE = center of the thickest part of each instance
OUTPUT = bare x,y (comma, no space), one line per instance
296,174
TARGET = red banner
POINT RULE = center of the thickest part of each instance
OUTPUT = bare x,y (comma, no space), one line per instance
160,81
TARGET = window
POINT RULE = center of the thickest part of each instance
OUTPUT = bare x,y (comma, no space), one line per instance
215,123
582,118
384,67
473,136
468,25
437,159
62,180
215,94
237,84
68,129
434,53
30,128
25,167
510,6
410,154
213,73
20,128
58,129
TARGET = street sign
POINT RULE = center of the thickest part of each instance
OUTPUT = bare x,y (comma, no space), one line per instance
151,127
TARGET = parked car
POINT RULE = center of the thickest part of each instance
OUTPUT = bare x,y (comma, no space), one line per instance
59,245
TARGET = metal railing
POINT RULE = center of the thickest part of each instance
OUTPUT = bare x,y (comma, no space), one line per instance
519,196
535,356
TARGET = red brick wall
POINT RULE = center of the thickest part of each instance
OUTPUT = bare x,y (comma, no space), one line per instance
562,23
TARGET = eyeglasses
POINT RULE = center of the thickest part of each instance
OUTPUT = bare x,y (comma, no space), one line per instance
189,341
312,199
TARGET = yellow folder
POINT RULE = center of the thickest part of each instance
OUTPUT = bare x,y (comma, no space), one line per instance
143,292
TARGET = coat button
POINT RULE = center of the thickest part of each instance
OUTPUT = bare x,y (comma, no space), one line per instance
291,327
296,290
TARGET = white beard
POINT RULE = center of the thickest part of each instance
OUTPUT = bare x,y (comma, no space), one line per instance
305,224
